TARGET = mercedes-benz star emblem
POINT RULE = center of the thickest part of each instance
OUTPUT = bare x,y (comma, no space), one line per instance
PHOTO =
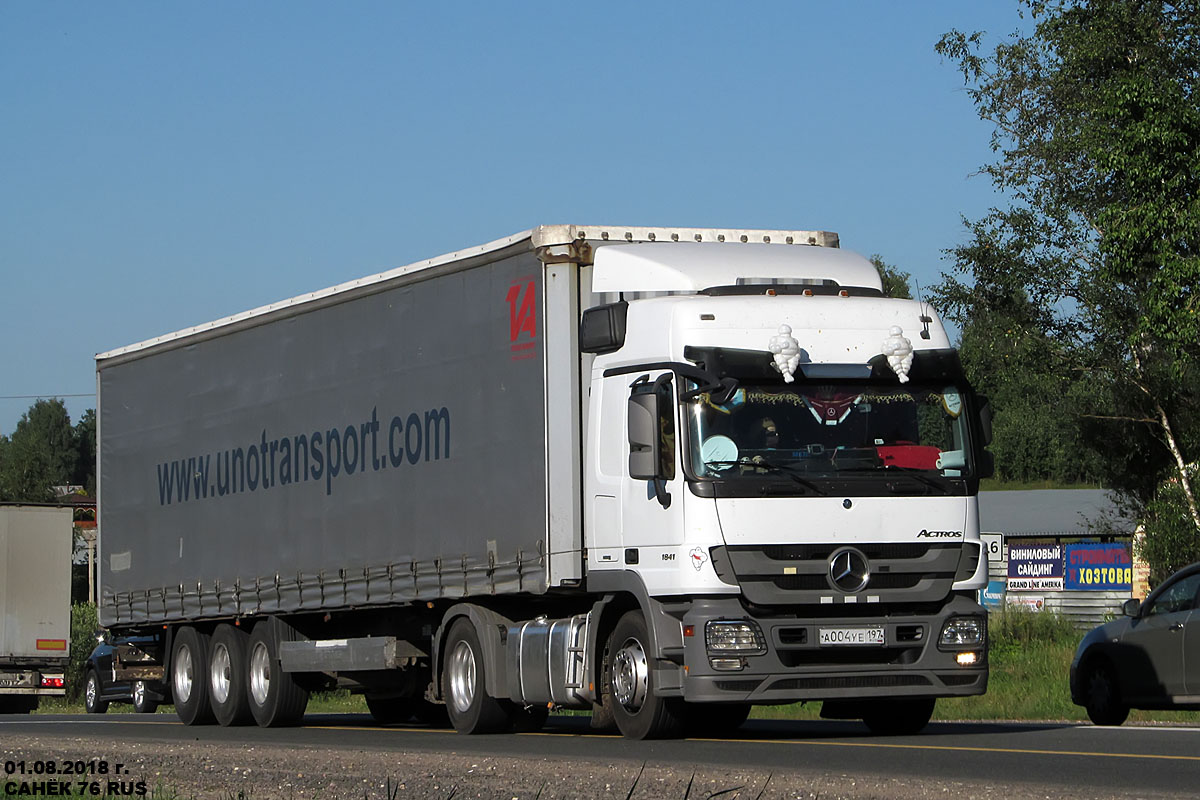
849,571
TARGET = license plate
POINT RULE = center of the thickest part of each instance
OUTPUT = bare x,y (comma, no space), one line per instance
851,636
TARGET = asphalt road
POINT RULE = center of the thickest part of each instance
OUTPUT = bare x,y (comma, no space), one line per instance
1031,759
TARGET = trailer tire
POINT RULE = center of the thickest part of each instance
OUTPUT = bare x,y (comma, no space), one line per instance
142,702
470,707
189,676
640,714
91,694
390,710
276,699
899,717
228,674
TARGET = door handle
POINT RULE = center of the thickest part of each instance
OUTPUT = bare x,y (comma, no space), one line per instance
1176,626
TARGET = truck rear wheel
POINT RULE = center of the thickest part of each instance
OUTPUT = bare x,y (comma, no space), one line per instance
639,713
471,709
276,699
189,684
91,694
227,674
899,717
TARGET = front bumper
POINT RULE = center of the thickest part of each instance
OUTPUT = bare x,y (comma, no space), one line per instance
795,666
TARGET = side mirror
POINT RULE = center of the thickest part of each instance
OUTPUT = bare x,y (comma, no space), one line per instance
645,448
987,464
1131,607
985,419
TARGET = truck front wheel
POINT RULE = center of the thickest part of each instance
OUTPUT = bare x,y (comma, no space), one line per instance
227,673
276,699
189,667
471,709
638,712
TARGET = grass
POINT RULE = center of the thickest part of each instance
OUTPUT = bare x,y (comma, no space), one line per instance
1030,656
997,485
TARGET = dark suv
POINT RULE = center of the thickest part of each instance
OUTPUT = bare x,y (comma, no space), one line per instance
1146,659
100,686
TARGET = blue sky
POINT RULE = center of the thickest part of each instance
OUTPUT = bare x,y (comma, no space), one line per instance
166,164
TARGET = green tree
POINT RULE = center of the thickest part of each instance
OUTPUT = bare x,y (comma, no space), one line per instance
41,453
1097,134
895,280
85,445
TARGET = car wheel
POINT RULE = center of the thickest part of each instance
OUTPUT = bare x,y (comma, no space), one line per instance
899,717
1103,696
142,702
91,694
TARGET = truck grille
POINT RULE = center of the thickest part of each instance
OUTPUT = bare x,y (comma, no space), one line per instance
798,574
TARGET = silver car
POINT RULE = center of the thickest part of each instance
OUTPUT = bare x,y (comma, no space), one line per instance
1149,658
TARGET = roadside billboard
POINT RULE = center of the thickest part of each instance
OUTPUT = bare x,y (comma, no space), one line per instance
1035,567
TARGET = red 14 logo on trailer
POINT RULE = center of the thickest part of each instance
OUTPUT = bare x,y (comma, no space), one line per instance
522,317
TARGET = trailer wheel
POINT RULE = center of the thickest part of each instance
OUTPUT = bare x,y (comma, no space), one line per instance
91,694
189,667
901,717
471,709
276,699
142,703
227,674
640,714
389,710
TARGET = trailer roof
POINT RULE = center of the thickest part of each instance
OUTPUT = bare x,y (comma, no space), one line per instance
542,236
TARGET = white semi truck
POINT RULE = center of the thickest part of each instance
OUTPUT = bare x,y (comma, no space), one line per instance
645,471
35,604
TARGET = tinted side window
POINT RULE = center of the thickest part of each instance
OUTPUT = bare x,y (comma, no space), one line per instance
1179,596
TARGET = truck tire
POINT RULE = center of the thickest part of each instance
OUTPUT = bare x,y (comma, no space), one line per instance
189,676
227,675
390,710
471,709
142,702
638,712
91,694
276,699
899,717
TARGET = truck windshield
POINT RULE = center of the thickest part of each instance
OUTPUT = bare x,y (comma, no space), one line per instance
811,430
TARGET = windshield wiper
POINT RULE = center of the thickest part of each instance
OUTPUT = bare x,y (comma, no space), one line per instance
908,472
771,466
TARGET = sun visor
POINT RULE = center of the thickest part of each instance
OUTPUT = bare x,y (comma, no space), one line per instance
693,267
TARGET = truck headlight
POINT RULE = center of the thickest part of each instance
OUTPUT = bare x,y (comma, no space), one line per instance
734,637
963,632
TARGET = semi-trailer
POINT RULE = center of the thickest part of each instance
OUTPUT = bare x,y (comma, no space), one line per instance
664,474
35,603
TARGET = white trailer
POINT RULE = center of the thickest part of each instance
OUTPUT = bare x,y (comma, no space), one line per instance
35,604
639,470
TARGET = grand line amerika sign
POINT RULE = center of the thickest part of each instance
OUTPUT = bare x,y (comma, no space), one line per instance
1035,567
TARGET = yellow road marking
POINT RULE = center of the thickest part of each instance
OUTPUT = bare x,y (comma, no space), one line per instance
941,747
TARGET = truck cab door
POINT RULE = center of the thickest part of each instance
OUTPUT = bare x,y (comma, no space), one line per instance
626,513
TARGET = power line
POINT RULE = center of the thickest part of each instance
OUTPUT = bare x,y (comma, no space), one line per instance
41,396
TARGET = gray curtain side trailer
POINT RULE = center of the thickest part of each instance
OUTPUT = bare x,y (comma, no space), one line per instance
382,486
